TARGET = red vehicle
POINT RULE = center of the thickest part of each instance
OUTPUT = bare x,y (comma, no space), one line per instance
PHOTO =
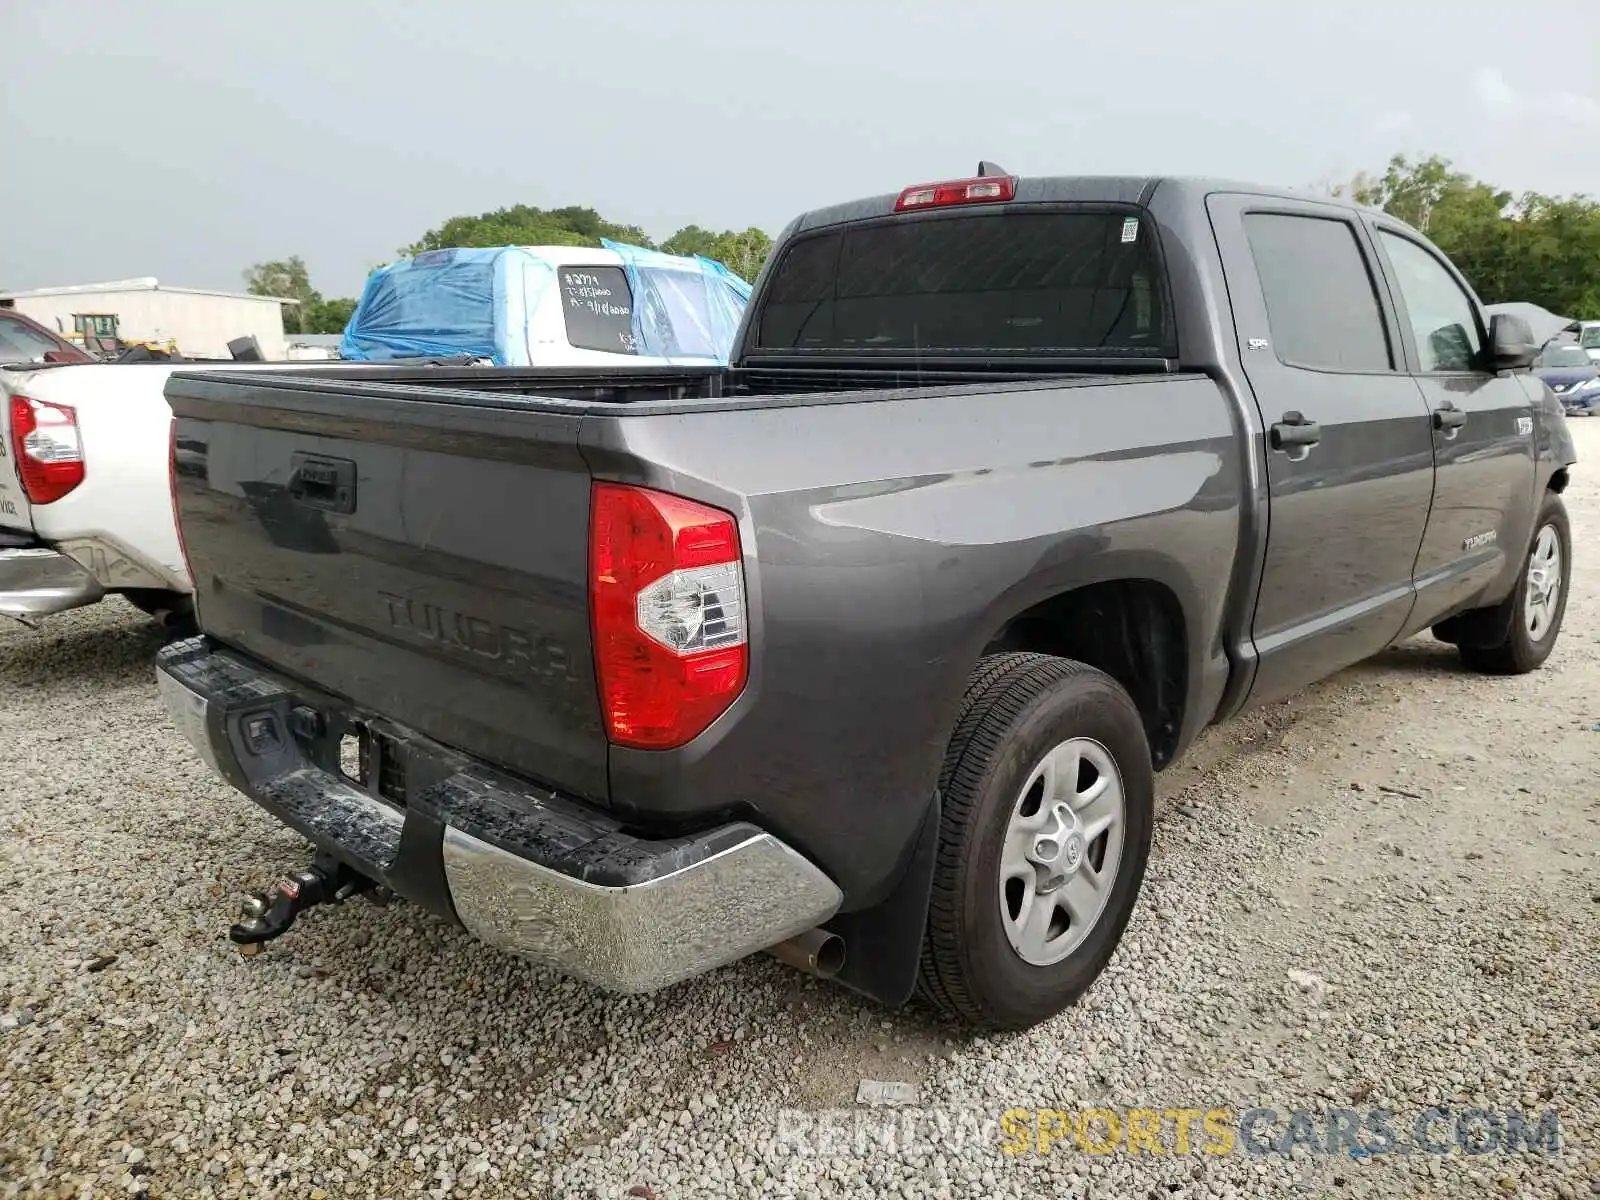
23,339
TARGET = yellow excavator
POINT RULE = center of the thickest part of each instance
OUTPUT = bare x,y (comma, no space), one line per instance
114,348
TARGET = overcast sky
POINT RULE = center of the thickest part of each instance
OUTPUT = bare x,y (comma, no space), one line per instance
189,138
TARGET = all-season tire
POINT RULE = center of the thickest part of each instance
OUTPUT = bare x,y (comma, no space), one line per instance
1519,651
1017,708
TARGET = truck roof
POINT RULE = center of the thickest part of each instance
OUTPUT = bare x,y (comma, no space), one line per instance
1068,189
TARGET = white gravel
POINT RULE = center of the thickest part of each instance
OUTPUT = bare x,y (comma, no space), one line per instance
1306,940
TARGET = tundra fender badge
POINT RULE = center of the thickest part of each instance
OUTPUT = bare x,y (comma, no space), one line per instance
1479,540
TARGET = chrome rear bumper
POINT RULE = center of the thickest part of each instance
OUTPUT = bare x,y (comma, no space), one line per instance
522,868
38,581
636,938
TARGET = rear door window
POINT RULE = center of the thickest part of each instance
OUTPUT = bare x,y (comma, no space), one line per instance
1322,302
1084,281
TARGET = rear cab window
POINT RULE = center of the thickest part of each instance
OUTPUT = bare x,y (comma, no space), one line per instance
597,307
1083,281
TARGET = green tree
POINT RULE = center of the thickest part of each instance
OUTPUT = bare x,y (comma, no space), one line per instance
742,253
691,239
524,225
286,279
329,316
1535,248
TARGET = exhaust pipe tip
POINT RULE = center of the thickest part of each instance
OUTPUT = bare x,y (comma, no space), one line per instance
816,952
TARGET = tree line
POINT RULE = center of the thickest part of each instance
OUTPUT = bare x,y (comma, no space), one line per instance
1525,246
1511,246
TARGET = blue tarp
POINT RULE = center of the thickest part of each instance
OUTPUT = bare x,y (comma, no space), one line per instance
483,303
682,307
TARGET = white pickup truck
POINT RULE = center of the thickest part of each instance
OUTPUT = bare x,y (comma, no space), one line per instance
85,491
85,505
85,485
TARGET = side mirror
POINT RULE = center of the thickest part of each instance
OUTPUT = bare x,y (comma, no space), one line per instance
1511,344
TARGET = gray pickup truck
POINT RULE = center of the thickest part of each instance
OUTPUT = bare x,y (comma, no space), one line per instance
866,649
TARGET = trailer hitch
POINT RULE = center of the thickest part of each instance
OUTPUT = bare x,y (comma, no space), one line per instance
267,915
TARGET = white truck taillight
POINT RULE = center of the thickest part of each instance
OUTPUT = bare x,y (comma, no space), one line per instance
666,597
49,452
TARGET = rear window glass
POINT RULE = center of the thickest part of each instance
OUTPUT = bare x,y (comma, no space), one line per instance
1064,281
598,307
20,343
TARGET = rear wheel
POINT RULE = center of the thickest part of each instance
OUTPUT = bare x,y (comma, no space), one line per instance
1531,616
1048,805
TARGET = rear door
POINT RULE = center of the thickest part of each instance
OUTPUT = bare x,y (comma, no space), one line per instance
1482,431
1349,457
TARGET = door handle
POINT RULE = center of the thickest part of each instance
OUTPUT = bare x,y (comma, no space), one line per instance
1448,416
1294,432
325,483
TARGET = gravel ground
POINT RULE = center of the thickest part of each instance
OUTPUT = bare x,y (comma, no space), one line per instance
1382,894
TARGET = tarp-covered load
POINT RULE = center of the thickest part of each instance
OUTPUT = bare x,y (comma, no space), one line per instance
557,305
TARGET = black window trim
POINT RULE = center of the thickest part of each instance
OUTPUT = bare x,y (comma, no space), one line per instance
1413,351
1393,328
1101,358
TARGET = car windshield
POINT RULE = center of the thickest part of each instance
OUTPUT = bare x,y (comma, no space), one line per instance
1590,339
1558,357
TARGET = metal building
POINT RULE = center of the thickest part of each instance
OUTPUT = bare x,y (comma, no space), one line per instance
201,322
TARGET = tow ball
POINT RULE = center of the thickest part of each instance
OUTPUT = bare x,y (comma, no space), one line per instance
267,915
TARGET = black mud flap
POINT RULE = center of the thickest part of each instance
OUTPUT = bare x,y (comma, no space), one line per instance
883,944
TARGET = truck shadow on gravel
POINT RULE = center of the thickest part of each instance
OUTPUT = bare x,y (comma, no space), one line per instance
88,648
1420,656
508,1040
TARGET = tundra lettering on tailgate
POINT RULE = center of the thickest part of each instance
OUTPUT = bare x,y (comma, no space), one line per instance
457,630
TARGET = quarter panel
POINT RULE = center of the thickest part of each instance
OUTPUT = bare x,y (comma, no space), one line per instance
886,543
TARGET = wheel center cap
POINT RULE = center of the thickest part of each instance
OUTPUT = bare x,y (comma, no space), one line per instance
1072,850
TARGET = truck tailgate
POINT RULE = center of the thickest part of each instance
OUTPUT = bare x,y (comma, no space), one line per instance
424,559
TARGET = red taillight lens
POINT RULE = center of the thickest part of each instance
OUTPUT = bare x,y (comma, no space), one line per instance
666,595
987,189
49,452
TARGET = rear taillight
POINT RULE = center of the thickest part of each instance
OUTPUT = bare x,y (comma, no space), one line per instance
49,452
666,595
987,189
